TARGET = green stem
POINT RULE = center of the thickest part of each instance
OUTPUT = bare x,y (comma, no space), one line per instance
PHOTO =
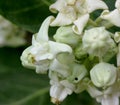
46,2
92,22
104,23
30,97
108,25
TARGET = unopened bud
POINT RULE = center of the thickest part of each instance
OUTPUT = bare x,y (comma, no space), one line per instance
103,74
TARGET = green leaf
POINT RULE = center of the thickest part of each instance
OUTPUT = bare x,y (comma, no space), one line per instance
20,86
16,82
26,13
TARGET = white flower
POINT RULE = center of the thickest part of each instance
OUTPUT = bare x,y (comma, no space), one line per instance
108,96
88,6
62,64
97,41
75,12
10,34
60,90
42,50
103,74
113,16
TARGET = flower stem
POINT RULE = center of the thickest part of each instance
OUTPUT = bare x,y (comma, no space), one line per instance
46,2
93,23
30,97
104,23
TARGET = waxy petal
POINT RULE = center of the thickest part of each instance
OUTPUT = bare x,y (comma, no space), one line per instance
58,6
117,37
70,2
66,17
42,35
27,58
93,5
80,23
110,100
59,91
56,48
42,66
113,17
117,4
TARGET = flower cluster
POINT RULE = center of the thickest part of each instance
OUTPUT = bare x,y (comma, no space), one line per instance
79,56
10,34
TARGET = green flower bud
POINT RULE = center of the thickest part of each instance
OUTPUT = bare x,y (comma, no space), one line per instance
67,36
97,41
117,37
80,53
79,72
103,74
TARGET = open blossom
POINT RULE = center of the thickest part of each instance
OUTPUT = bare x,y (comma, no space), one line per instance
10,34
107,96
60,88
43,51
113,16
75,12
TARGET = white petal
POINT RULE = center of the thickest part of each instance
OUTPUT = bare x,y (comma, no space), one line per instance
93,5
42,35
93,91
117,4
79,72
117,37
110,100
70,2
80,23
69,85
57,6
60,91
66,17
60,68
56,48
118,56
27,59
113,17
42,66
54,79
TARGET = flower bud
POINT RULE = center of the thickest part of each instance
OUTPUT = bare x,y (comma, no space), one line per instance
80,53
79,72
97,41
67,36
117,37
28,59
103,74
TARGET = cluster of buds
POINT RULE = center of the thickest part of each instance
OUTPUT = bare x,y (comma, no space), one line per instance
10,34
79,56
